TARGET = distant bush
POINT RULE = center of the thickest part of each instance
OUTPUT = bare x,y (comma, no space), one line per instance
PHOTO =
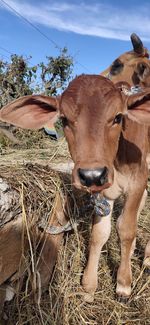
19,78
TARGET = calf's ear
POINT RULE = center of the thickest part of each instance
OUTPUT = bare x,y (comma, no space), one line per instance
30,112
138,107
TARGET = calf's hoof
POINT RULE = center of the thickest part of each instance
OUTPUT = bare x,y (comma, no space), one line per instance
89,284
123,293
88,297
122,299
88,292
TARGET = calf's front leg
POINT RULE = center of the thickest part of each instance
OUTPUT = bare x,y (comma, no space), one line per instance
127,226
99,236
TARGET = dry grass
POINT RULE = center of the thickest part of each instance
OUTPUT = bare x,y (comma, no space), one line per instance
63,303
34,146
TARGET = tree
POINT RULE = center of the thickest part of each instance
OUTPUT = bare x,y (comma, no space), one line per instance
17,78
57,72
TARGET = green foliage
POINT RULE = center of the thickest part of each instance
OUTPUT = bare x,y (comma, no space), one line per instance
18,79
57,72
15,79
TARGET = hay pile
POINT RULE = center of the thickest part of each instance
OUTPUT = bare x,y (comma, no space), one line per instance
63,303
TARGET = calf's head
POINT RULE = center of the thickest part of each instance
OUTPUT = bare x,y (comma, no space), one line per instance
92,111
132,67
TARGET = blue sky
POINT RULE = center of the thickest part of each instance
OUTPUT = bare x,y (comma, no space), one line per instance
95,32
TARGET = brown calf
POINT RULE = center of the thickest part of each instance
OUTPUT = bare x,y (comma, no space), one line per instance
108,147
132,67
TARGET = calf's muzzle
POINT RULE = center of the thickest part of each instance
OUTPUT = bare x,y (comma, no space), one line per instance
89,177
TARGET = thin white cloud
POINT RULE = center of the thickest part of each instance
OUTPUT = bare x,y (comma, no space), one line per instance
94,19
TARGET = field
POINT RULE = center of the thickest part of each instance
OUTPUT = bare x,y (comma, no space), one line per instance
29,163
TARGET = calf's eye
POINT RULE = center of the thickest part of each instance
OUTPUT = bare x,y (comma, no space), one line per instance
64,121
116,67
118,119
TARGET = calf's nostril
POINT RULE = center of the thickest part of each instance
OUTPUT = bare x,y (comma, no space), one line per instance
85,177
104,176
